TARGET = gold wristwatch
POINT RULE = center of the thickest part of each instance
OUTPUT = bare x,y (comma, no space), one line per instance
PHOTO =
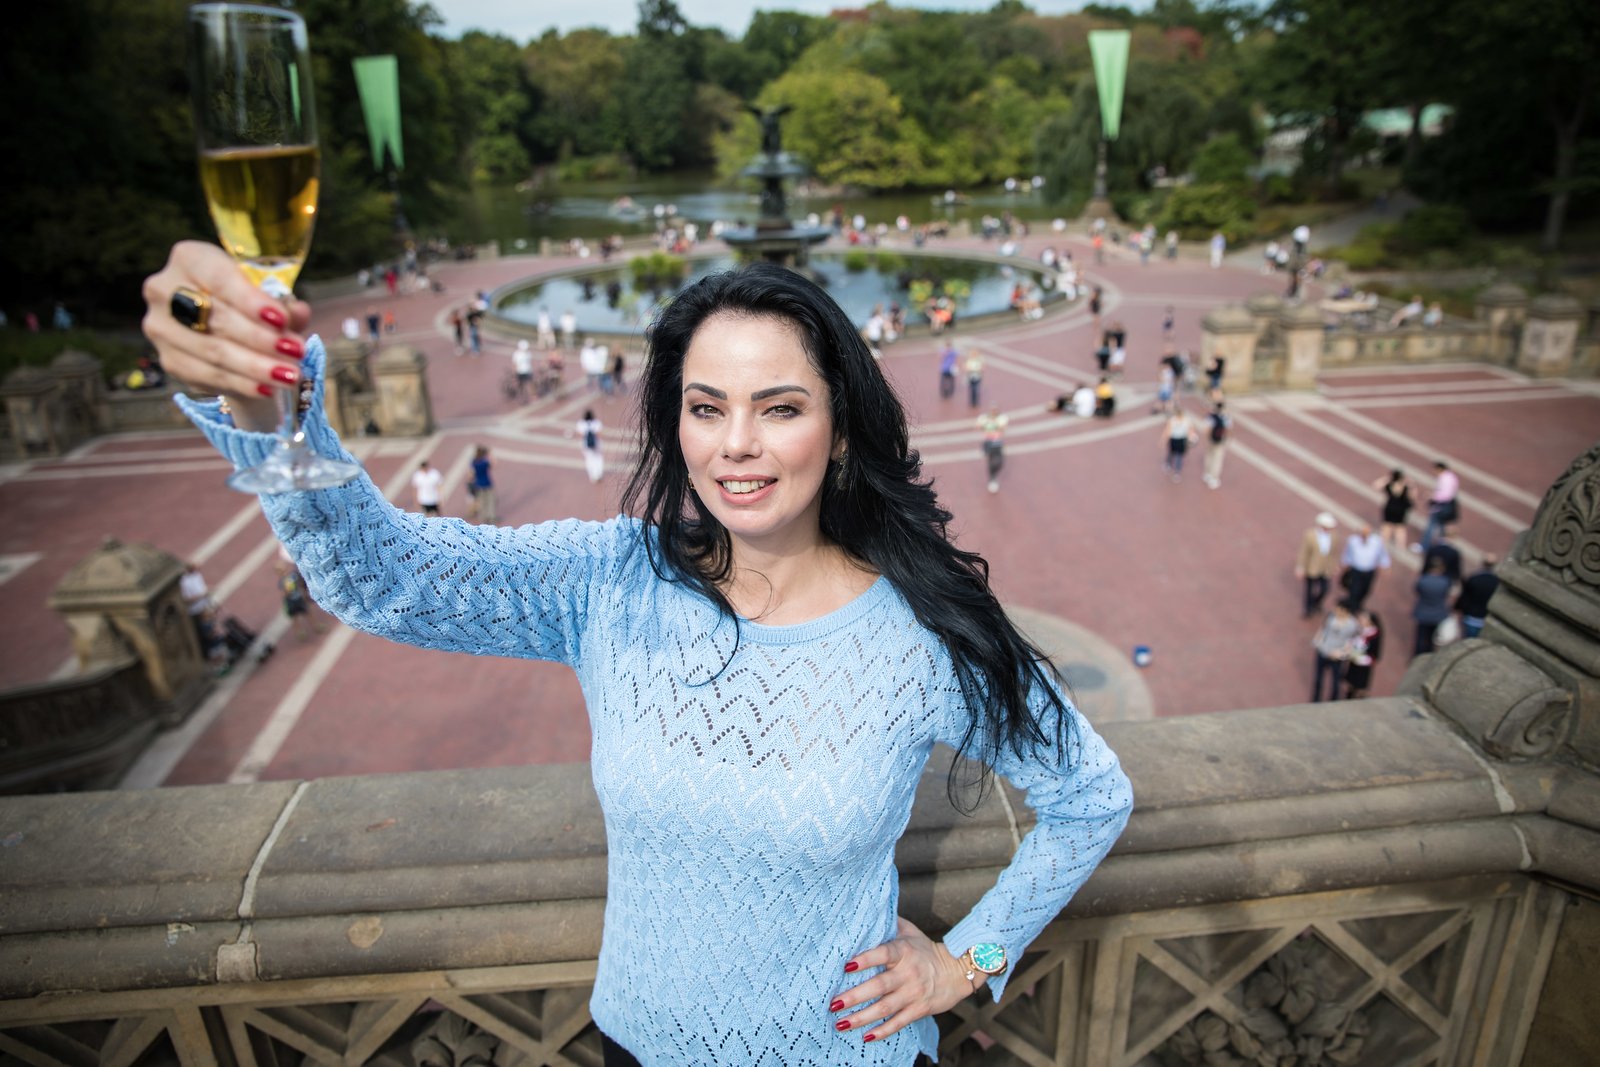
985,958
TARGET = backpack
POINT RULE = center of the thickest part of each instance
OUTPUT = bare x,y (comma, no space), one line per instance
591,440
1219,428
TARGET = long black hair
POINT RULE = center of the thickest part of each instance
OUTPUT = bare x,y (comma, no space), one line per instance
875,504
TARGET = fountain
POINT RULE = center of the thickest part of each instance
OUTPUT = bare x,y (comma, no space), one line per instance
774,237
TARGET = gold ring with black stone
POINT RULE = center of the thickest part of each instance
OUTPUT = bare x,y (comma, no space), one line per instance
192,308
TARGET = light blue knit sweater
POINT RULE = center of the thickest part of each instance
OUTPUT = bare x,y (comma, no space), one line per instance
754,778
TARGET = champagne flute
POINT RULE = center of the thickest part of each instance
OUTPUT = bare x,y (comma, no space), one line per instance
256,130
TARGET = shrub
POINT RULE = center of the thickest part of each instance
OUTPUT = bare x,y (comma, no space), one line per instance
856,260
1196,211
1222,161
890,262
1278,189
1433,226
657,270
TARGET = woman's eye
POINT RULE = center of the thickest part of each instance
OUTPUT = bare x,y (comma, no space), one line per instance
783,411
702,411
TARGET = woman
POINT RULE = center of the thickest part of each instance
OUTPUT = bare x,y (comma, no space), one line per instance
768,653
1179,433
594,461
1365,654
1397,504
992,424
1432,606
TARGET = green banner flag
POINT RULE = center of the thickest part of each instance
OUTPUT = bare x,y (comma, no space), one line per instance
378,82
1110,51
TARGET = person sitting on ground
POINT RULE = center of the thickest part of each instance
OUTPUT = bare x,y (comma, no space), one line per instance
1105,399
1407,313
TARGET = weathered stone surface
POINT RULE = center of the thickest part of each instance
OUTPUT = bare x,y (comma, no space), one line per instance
149,857
1566,1030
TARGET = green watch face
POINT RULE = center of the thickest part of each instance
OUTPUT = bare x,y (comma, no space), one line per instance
988,958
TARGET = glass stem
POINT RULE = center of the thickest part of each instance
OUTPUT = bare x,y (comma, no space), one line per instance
288,413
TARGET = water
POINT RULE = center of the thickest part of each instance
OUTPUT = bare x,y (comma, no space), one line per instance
856,291
559,212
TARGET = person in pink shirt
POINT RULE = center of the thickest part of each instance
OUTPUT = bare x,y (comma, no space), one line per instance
1443,509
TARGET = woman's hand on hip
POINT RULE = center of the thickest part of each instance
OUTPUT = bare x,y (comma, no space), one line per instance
251,343
920,978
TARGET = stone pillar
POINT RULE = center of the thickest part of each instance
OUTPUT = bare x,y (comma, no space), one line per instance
346,379
1300,326
125,598
404,407
81,398
1230,332
1265,310
1502,307
30,399
1550,337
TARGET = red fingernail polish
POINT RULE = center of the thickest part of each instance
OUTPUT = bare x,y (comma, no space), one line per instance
273,317
290,347
842,1024
836,1005
286,375
851,966
265,390
870,1037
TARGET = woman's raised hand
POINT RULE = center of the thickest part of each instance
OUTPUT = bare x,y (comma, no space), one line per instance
245,345
920,977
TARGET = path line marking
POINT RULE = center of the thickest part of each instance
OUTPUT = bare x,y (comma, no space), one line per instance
1425,388
1361,488
1410,368
265,746
1407,401
1411,444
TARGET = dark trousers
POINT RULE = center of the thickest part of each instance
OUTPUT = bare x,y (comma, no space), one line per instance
1333,671
947,386
1425,632
1316,593
994,452
1359,585
974,385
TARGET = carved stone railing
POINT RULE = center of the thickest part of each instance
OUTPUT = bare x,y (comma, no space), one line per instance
1408,880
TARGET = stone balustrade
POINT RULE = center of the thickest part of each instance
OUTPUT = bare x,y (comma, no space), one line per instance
1408,880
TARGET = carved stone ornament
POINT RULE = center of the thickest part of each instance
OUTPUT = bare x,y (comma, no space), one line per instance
1566,533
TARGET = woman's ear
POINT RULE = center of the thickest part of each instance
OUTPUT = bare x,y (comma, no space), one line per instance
840,447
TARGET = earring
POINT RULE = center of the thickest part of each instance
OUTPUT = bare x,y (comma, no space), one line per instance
691,485
841,474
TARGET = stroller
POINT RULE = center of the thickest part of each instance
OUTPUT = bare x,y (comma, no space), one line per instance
226,642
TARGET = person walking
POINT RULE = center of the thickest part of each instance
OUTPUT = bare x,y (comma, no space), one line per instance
1334,645
1432,606
546,330
522,367
569,329
594,460
1444,505
458,329
974,369
993,425
947,370
1472,603
777,525
296,604
1219,245
1178,433
1314,563
425,491
1398,501
1364,556
1219,431
480,508
1366,653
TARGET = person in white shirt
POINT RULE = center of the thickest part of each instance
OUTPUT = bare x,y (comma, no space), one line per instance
592,359
1364,556
588,431
425,488
522,365
569,329
1410,311
547,332
351,328
1219,245
1302,240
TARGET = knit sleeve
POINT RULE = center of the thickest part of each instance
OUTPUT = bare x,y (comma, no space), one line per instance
1081,800
436,583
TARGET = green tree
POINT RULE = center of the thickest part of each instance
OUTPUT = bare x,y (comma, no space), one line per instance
574,80
845,124
1222,161
493,99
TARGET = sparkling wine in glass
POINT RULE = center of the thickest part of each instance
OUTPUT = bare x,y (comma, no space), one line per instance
256,128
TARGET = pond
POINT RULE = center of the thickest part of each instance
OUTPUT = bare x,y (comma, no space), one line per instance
607,300
588,209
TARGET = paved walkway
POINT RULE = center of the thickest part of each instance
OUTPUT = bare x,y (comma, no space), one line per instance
1096,549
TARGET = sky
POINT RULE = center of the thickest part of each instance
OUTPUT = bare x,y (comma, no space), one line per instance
522,21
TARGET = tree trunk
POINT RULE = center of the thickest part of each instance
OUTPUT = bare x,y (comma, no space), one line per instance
1413,140
1555,218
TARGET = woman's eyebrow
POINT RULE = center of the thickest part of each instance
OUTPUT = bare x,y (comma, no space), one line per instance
760,394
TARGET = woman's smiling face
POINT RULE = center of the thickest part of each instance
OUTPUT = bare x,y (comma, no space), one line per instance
756,431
